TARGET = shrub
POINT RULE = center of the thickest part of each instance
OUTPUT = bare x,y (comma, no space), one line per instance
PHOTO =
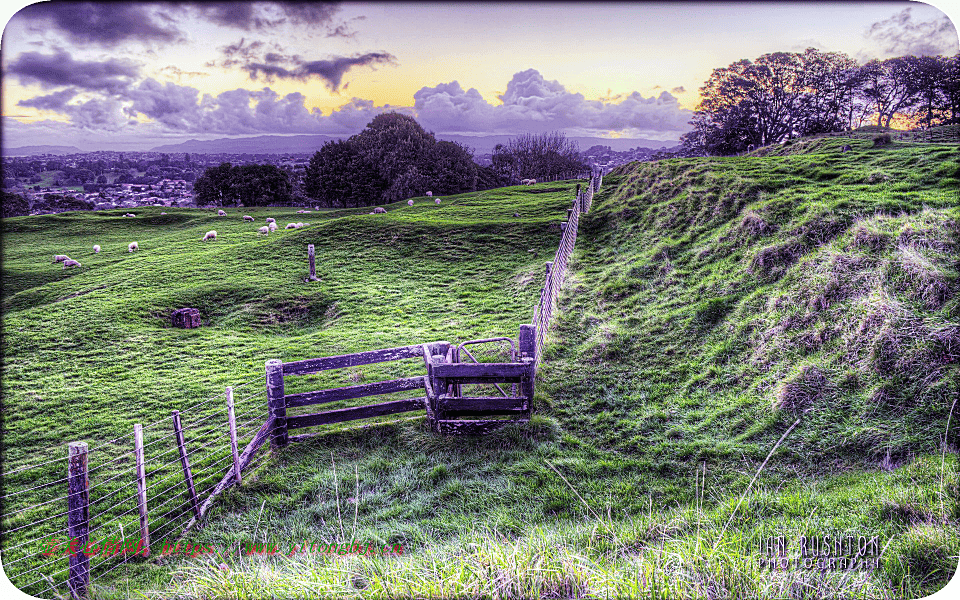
881,140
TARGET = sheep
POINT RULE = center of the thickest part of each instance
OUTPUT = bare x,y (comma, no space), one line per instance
265,230
272,225
163,213
129,215
379,210
409,202
247,218
210,235
299,225
437,200
303,212
533,182
429,193
271,220
96,249
221,213
291,226
60,258
133,246
70,263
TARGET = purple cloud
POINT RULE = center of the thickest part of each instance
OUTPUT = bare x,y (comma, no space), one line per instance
60,69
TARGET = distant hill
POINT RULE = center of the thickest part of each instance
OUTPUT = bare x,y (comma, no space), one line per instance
299,144
34,150
261,144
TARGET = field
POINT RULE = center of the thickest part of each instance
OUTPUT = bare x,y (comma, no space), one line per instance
746,348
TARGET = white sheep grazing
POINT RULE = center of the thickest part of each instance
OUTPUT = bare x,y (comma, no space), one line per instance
220,213
96,249
272,226
133,246
163,213
265,230
379,210
291,226
70,263
533,182
430,193
299,225
271,220
247,218
129,215
210,235
60,258
437,200
409,202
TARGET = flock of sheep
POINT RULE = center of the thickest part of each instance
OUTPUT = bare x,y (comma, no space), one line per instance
212,234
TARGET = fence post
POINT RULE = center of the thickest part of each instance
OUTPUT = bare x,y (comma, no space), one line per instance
232,421
141,489
277,403
312,259
528,341
185,463
549,287
78,518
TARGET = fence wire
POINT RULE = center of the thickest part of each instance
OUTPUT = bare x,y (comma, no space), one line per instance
556,270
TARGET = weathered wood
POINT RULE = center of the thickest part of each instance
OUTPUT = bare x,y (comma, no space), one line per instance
245,458
312,258
464,373
473,427
528,341
431,397
185,463
277,403
78,517
354,391
232,423
357,412
141,488
489,405
312,365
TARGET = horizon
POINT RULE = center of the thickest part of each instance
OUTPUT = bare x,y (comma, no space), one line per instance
133,76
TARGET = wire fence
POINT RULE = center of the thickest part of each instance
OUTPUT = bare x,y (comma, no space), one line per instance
556,270
34,541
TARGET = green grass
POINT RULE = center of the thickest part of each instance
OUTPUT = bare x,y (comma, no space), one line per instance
710,305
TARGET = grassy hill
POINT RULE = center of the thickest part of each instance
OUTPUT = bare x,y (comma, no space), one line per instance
795,314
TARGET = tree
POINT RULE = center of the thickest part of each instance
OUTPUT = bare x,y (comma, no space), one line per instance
339,175
889,88
260,185
450,169
213,187
14,205
537,156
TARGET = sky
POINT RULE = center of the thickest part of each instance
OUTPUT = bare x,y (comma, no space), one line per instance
133,75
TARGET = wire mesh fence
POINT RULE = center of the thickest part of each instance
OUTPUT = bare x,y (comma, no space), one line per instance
556,270
34,538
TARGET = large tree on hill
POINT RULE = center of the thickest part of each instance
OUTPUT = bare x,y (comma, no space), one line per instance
213,187
247,185
889,88
14,205
392,159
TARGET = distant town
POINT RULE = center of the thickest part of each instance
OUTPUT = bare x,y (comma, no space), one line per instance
52,183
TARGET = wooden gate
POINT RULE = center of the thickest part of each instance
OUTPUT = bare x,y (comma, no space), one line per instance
443,402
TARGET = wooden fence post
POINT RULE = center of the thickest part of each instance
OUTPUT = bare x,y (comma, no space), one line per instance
231,418
277,403
141,489
313,267
528,341
185,463
78,518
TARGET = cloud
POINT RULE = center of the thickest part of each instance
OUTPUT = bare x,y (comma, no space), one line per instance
902,35
55,101
251,16
60,69
331,71
101,23
678,90
180,73
532,103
